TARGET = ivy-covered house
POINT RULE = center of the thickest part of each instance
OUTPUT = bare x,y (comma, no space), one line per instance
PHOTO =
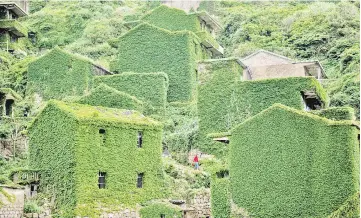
10,29
225,98
266,65
200,23
58,74
286,162
95,159
148,49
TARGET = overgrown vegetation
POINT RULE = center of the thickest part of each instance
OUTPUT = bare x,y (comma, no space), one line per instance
284,155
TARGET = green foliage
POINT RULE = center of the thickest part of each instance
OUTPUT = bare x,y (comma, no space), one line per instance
181,128
172,19
216,86
220,198
147,49
350,209
31,207
151,88
58,74
157,209
336,113
106,96
289,163
15,26
70,167
345,92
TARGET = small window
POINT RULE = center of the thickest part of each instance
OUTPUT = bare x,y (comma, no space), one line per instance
102,135
9,107
162,216
140,180
101,180
140,139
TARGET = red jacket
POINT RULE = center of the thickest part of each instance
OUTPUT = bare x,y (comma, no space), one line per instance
195,158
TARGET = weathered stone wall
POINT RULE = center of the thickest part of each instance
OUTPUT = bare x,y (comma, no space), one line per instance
13,205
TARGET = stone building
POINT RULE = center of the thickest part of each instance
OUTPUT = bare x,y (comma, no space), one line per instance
96,159
10,29
266,65
8,99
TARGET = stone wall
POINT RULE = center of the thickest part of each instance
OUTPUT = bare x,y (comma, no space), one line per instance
13,203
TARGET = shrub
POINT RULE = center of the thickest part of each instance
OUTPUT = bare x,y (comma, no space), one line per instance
156,209
336,113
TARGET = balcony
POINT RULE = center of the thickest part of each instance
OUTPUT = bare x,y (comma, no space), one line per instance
14,26
210,43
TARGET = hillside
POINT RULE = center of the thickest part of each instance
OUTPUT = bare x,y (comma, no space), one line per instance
327,32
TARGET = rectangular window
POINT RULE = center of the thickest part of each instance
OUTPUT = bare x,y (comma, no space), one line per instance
101,180
140,139
102,135
162,216
140,180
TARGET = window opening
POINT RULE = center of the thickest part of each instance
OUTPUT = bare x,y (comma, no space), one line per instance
140,139
102,135
222,174
33,189
310,100
101,180
9,107
162,216
140,180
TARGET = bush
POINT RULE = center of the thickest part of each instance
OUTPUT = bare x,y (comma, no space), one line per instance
31,207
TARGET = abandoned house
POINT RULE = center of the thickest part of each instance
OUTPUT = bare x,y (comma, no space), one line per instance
10,29
58,74
8,99
266,65
200,23
295,157
110,157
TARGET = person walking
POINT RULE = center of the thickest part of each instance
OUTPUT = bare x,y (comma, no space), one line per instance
196,162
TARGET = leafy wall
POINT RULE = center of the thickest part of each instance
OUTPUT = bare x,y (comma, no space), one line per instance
157,209
172,19
221,198
336,113
106,96
52,151
350,209
58,74
147,49
151,88
78,152
289,163
216,86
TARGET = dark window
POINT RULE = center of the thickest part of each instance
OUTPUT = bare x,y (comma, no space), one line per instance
140,180
222,173
101,180
140,139
162,216
102,135
9,107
